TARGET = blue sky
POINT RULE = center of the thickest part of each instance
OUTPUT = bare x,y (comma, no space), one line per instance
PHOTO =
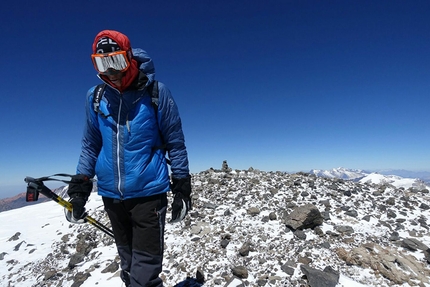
276,85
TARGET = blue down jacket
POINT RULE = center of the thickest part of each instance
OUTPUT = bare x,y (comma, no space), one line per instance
121,149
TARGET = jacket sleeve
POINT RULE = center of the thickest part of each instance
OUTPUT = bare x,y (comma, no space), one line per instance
171,129
91,140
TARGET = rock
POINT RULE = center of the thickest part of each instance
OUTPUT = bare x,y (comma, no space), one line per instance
388,262
85,243
15,237
306,216
111,268
394,236
300,234
253,211
2,255
317,278
244,250
224,243
50,275
240,271
80,278
272,216
391,201
287,269
352,213
414,244
234,282
344,229
76,259
367,218
427,255
16,248
304,260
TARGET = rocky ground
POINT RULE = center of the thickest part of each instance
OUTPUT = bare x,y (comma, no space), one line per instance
255,228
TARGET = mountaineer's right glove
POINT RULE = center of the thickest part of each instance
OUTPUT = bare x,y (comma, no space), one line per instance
181,189
80,188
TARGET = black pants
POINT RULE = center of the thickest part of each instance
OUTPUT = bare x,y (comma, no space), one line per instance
138,227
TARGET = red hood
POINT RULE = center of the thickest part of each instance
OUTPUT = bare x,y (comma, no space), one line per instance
124,43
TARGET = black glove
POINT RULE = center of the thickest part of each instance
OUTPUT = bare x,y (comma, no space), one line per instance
181,189
80,188
78,213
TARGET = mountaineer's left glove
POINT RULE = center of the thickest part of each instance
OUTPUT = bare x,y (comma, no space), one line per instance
181,189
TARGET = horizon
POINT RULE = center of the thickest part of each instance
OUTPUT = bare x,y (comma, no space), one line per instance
10,191
279,85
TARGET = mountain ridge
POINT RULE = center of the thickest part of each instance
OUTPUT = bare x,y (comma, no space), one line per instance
386,176
19,200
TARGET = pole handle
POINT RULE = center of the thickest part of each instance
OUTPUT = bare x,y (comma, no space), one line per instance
37,183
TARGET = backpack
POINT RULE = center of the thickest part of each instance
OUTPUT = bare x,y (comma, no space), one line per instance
153,90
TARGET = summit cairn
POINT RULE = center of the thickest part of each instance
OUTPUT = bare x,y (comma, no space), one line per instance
225,167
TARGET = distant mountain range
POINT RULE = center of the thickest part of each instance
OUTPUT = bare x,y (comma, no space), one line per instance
398,178
343,173
18,200
423,175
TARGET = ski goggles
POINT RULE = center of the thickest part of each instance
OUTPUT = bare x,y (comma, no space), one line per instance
117,61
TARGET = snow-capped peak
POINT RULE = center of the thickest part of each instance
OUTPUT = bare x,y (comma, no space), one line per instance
340,172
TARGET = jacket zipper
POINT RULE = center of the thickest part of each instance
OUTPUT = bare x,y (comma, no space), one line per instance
117,141
118,146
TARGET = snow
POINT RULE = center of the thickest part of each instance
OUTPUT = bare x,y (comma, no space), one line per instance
370,177
43,227
340,172
345,281
396,181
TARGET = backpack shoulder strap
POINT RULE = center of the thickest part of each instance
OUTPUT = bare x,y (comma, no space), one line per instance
154,94
155,101
97,97
153,91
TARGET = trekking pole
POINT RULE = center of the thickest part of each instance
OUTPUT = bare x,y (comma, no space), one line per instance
36,186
